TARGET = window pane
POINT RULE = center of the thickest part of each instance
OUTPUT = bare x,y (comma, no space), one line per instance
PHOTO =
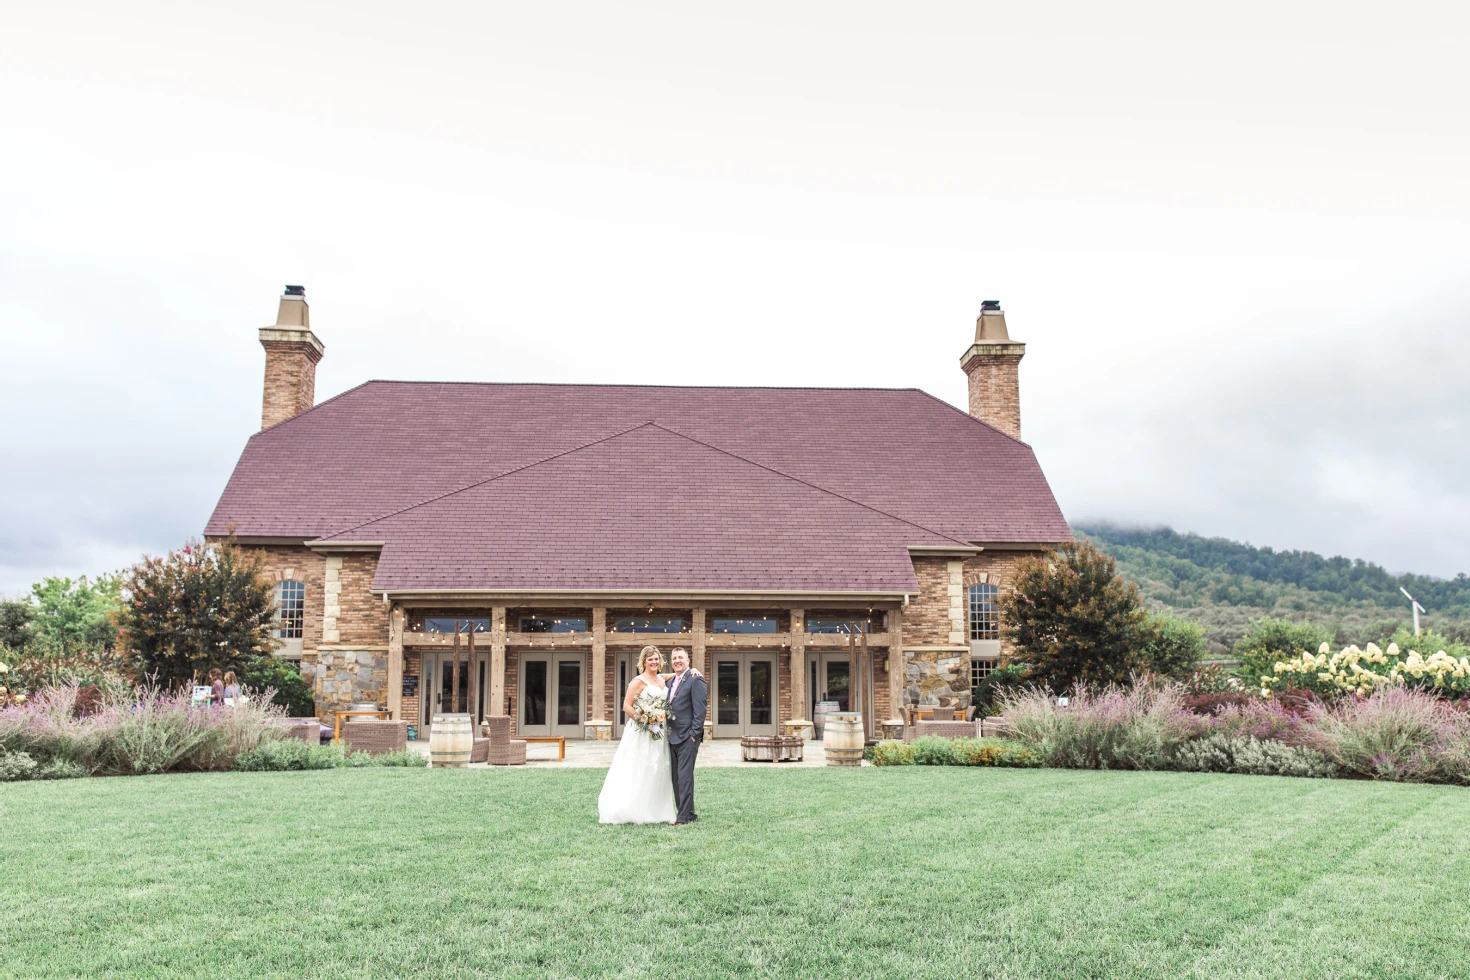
984,623
446,686
727,679
836,690
751,625
760,692
533,710
568,692
649,624
290,617
979,670
446,624
839,624
558,624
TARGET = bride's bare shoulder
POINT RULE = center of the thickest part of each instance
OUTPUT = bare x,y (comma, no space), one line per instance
637,683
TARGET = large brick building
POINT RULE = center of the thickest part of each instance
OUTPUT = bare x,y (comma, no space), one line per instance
785,536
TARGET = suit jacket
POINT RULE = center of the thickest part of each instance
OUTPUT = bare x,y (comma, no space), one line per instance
689,705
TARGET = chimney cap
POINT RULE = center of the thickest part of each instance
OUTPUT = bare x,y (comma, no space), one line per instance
296,291
990,306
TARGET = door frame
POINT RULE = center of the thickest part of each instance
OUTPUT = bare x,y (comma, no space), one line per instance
745,659
625,668
552,659
817,682
431,663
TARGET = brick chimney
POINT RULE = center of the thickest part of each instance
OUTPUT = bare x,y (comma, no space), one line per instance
291,353
993,363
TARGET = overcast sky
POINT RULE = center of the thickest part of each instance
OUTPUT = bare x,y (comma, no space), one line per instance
1235,243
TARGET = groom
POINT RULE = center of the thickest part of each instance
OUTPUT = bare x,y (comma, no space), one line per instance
688,699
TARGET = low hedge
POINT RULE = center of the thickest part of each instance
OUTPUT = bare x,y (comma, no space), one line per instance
935,751
293,754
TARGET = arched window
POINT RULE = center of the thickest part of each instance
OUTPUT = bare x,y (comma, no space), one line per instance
290,619
984,621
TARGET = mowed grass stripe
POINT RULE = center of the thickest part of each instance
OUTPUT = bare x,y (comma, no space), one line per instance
908,872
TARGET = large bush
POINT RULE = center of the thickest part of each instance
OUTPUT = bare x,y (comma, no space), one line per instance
1071,619
284,677
1398,734
1353,671
1268,641
1172,647
202,606
1113,728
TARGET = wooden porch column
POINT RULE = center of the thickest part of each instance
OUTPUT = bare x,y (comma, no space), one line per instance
599,664
798,667
395,662
895,665
497,661
698,652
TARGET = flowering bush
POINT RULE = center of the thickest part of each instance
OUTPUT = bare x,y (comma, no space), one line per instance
1355,671
1115,728
148,731
1398,734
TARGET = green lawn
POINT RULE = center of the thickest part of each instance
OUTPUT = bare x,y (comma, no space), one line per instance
908,872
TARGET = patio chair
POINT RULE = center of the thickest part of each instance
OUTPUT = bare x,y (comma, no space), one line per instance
945,729
480,750
375,736
501,749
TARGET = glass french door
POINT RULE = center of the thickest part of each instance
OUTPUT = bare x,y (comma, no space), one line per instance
552,695
625,668
437,678
829,680
743,694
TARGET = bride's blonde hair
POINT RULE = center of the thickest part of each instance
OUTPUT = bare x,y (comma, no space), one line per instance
648,651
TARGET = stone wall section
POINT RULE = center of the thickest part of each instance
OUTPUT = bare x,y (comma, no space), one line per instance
935,635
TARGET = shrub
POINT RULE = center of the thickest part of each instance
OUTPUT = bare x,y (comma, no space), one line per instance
891,754
61,769
16,766
992,752
284,678
1071,619
1172,647
987,693
1398,734
932,751
1268,641
293,754
1116,728
287,754
1224,751
151,731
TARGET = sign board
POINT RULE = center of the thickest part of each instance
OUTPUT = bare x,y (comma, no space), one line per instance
410,685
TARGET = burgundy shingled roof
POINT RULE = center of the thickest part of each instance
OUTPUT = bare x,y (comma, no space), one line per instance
913,461
651,509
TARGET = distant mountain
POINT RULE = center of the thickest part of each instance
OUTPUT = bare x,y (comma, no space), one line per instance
1224,584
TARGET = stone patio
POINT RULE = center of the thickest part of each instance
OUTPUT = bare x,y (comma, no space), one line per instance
599,755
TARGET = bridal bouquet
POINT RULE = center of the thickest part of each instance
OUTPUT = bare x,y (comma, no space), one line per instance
650,714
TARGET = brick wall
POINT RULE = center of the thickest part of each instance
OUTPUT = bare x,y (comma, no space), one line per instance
290,380
995,391
996,568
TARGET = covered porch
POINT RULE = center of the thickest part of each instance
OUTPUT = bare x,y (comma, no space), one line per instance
559,668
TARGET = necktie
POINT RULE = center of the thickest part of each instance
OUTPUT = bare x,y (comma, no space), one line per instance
675,689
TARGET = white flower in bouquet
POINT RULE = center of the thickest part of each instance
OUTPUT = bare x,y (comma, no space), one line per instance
651,714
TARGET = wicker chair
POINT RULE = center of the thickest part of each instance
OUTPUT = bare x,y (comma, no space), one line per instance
944,729
375,736
502,750
480,750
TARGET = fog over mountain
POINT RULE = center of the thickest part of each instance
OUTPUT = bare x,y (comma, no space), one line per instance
1233,240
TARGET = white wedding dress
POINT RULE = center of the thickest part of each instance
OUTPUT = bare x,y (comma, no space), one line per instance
639,787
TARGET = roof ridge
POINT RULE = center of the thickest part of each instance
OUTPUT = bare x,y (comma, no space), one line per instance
488,479
808,483
609,384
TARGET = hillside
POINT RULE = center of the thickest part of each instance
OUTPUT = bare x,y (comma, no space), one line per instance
1223,584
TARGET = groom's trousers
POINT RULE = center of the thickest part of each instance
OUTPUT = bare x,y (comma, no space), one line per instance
681,768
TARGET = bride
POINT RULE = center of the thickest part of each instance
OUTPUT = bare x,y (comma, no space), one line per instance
639,787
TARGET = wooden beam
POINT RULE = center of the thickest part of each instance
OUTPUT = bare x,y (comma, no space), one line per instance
497,661
798,666
698,646
896,665
599,663
835,641
395,663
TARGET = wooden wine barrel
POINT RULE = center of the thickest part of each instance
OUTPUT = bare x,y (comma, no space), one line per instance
451,740
820,713
843,738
